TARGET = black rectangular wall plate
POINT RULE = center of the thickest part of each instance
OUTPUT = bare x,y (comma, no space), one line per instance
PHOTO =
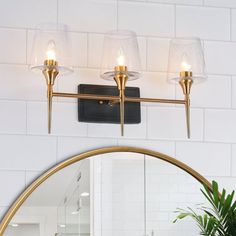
92,111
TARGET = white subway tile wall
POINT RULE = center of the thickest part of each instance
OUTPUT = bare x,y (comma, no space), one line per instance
13,46
26,149
203,22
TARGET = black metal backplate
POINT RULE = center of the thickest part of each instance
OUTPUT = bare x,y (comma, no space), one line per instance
95,112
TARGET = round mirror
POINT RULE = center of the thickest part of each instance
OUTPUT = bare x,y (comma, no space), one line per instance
111,191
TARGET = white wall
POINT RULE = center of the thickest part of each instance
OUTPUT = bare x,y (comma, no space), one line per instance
138,195
25,148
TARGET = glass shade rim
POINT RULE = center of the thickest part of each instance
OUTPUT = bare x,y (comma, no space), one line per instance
62,69
109,75
196,79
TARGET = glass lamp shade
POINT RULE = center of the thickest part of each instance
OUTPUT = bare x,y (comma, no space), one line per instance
120,48
51,42
186,57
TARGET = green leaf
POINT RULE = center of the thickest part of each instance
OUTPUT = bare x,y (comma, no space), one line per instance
217,220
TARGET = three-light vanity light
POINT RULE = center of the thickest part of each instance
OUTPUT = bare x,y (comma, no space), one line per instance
120,63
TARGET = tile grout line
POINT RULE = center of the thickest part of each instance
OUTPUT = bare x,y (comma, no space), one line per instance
25,173
231,93
156,36
117,13
231,160
57,147
175,19
175,149
57,16
147,115
203,126
88,49
230,25
26,118
162,3
26,47
147,52
144,195
146,133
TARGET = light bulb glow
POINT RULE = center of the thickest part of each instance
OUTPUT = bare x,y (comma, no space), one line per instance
84,194
75,212
14,225
62,225
121,58
51,53
185,66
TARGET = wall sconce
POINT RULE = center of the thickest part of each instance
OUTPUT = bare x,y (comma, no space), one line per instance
186,66
120,63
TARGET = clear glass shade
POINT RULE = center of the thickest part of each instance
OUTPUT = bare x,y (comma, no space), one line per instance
186,55
120,49
51,42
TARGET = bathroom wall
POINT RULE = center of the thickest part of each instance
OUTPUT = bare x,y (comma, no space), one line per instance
26,150
138,195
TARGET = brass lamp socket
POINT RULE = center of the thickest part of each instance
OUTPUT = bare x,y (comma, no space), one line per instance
121,76
120,69
50,71
50,63
185,74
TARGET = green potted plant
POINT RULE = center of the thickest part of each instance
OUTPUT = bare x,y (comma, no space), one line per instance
217,220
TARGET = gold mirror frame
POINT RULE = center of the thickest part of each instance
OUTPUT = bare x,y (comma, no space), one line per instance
26,193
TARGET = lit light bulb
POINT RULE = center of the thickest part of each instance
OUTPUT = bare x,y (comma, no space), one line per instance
121,58
51,54
84,194
75,212
62,225
185,66
14,225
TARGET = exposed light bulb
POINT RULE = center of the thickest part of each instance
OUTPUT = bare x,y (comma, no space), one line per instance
51,54
121,58
14,225
62,226
185,66
75,212
84,194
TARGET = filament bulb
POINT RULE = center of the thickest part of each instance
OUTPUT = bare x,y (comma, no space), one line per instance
51,53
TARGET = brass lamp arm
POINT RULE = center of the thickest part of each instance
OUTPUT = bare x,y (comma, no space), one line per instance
116,98
86,96
50,72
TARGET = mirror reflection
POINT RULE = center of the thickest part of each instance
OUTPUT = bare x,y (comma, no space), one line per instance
111,194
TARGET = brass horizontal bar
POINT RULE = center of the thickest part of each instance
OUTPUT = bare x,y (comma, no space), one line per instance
133,99
86,96
116,98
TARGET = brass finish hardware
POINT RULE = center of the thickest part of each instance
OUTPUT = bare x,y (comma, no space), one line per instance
50,73
87,96
157,100
184,74
27,192
186,84
120,77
